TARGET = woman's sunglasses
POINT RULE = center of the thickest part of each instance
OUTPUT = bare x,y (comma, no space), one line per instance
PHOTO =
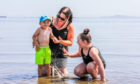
60,17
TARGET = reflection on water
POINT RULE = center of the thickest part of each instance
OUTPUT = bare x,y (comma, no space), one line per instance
20,77
50,80
46,80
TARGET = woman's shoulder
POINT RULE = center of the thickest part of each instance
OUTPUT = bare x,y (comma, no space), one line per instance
71,27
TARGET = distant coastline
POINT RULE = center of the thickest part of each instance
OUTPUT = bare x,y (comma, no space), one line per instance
121,17
3,16
101,17
114,17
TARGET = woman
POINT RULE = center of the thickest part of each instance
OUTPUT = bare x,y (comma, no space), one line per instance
93,62
62,29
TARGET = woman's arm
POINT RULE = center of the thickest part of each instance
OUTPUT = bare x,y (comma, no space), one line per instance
70,36
94,55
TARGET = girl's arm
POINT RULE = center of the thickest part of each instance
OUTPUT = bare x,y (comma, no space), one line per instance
94,55
76,54
70,37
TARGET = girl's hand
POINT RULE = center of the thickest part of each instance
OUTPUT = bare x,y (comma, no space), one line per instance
103,80
65,52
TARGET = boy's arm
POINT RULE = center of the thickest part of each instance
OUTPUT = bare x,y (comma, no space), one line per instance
34,37
55,40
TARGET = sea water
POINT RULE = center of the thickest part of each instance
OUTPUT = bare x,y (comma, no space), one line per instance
117,39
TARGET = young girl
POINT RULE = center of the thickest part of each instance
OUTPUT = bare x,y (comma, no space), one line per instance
93,62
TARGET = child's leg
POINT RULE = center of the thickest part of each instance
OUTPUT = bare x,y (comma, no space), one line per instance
48,69
47,60
93,69
40,70
44,70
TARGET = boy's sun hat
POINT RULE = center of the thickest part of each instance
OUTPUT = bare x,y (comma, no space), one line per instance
43,18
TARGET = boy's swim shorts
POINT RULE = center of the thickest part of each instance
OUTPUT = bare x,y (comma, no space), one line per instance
43,56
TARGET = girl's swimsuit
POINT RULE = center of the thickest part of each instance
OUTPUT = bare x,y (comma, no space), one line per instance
88,59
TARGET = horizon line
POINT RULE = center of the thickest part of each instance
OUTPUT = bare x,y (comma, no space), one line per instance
111,16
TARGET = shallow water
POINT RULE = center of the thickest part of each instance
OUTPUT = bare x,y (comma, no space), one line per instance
118,40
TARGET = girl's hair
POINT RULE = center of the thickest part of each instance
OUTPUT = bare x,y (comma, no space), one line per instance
67,11
86,36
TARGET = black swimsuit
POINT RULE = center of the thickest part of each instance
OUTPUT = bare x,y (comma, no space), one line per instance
88,59
57,49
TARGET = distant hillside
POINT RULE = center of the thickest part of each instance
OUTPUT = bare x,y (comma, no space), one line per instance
3,17
121,16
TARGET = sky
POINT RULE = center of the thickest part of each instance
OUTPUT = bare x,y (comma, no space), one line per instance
80,8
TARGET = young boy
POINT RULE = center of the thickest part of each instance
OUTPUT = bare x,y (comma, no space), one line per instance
41,42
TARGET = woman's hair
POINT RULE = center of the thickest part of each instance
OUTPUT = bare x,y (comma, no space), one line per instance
85,35
67,11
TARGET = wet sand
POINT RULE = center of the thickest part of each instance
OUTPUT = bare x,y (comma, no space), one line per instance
55,80
71,80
